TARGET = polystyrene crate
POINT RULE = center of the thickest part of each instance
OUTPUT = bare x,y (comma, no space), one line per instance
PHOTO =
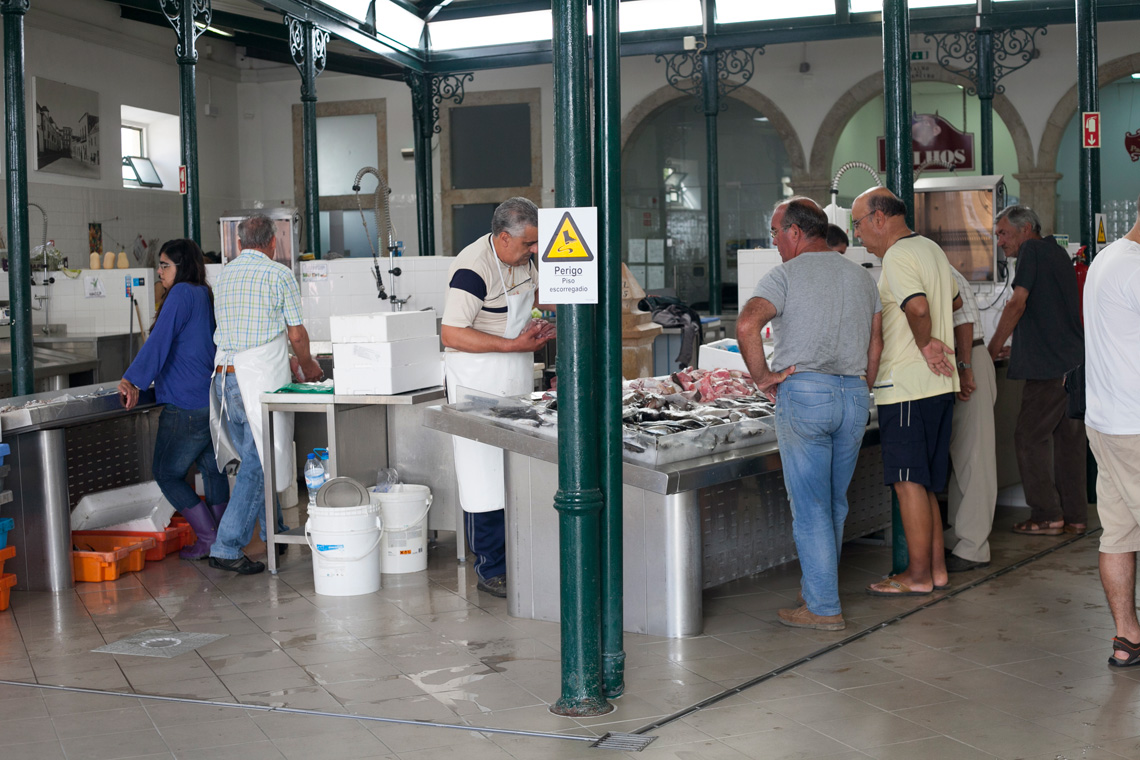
166,541
6,554
6,524
105,558
7,581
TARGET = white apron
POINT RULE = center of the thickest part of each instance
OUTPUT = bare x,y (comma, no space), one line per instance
258,370
479,467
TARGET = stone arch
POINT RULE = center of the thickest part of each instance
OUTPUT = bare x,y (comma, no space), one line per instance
863,92
664,96
1106,73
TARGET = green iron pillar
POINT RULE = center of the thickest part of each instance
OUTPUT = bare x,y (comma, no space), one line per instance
16,161
986,87
896,91
189,19
607,194
422,123
1088,96
308,44
428,93
579,498
712,194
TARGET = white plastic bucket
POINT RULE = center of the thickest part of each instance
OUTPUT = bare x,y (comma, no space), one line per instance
403,548
346,549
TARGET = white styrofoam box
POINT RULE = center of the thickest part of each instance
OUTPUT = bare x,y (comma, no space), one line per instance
368,381
381,326
138,507
394,353
716,355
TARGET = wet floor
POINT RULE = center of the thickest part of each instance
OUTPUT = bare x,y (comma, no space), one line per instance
1013,668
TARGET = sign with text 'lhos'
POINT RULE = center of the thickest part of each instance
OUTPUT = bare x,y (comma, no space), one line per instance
567,260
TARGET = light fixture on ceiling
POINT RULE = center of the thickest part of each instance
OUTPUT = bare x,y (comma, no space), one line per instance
1136,75
213,29
759,118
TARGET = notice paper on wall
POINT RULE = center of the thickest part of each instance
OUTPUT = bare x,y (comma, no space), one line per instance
93,287
638,272
311,271
655,278
637,250
655,251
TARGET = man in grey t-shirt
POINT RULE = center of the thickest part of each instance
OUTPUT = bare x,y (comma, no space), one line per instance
825,313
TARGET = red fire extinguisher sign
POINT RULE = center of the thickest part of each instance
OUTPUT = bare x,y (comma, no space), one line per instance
182,180
1090,129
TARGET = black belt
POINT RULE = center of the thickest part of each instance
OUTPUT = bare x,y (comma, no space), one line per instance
979,342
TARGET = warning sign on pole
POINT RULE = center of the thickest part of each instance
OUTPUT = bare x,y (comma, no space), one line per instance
1090,129
1101,237
182,180
567,266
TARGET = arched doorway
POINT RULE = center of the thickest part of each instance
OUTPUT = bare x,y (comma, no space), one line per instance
665,234
859,139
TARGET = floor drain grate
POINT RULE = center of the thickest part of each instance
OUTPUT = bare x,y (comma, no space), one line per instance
159,643
624,742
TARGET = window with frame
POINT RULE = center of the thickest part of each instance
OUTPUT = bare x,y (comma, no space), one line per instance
138,170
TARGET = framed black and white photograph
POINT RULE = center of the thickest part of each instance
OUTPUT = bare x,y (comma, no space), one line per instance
67,129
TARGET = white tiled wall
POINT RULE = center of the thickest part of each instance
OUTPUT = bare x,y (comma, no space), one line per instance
110,315
351,289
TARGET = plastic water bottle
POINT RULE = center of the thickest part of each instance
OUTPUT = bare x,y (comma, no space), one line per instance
314,477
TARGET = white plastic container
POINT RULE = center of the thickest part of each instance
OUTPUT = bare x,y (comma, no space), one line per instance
138,507
716,356
345,542
404,546
394,353
381,326
386,381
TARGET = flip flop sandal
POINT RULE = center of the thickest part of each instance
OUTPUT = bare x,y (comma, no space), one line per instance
1077,528
902,589
1031,528
1126,646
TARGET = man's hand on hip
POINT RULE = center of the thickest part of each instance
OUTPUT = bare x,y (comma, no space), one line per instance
936,352
768,382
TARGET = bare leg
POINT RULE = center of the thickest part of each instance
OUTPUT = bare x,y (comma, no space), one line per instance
937,546
918,524
1118,576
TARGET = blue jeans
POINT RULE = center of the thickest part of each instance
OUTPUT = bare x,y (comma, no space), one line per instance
820,422
184,439
247,502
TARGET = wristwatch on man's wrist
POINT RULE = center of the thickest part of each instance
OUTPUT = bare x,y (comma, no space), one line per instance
964,365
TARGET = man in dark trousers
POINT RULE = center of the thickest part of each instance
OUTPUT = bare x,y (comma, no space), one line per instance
1044,318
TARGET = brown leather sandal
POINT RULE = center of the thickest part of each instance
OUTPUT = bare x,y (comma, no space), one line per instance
1076,528
1031,528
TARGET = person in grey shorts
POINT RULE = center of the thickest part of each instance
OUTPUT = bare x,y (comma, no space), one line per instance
825,311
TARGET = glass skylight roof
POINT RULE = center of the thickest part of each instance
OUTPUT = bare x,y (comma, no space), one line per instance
738,11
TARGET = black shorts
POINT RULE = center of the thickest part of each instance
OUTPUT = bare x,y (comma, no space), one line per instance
915,438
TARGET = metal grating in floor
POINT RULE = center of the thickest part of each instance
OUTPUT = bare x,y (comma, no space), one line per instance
159,643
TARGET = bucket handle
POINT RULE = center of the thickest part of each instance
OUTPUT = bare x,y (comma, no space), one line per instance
417,521
315,550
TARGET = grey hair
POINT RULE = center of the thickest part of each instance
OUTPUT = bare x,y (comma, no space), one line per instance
256,231
804,213
1019,216
513,216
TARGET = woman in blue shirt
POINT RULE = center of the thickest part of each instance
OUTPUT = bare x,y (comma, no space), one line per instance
179,359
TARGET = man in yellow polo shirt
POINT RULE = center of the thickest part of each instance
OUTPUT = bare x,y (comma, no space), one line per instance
916,384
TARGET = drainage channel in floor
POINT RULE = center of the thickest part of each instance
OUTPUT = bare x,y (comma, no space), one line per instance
634,741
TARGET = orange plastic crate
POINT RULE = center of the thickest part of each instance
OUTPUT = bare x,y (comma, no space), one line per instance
165,541
180,520
7,553
7,581
105,558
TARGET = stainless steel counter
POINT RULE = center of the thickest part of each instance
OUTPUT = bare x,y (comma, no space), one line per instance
64,445
51,367
687,526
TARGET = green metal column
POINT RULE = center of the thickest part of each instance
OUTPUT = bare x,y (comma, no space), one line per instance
986,87
607,194
189,19
579,499
1088,96
422,127
896,91
16,161
710,60
307,46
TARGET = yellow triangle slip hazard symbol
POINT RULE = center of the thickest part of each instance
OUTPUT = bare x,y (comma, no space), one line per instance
567,243
1101,238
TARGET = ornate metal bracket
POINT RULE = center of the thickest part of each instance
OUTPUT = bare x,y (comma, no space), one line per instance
200,16
734,69
430,90
299,46
958,53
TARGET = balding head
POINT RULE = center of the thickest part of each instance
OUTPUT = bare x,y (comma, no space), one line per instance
879,219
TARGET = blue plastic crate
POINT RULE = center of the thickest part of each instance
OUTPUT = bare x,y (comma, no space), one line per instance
4,451
6,524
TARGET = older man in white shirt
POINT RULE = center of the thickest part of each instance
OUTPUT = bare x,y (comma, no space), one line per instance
973,477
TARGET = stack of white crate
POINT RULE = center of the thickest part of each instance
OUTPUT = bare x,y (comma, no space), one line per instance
385,353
